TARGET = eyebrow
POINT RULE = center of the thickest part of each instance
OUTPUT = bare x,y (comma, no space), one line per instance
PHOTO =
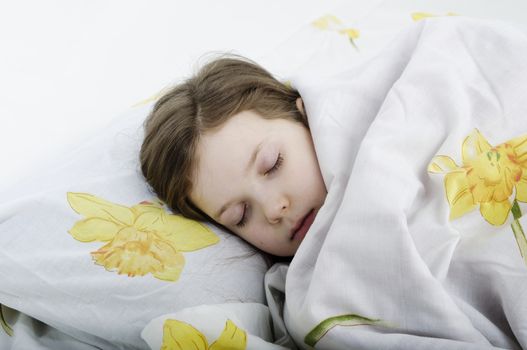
250,164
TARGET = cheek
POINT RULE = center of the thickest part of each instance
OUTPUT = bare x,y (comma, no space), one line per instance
307,184
318,180
304,175
256,235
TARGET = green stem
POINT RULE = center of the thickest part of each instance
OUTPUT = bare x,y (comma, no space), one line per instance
518,231
516,212
343,320
5,326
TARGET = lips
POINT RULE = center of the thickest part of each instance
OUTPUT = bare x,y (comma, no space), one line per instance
300,229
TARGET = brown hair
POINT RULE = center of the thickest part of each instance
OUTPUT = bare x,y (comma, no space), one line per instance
219,90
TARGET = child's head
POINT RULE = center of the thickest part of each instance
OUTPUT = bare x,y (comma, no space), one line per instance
232,145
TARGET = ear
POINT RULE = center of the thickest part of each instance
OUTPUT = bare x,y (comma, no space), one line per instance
300,105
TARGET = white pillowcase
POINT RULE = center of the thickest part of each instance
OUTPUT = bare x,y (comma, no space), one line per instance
51,275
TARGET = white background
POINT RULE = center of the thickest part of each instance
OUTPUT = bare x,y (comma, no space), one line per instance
68,67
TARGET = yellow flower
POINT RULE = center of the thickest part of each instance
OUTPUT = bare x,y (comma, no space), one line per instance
489,176
332,23
417,16
327,22
179,335
142,239
152,98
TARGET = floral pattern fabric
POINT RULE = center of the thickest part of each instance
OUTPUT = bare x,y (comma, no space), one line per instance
142,239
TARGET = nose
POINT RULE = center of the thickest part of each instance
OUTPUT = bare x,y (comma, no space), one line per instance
275,209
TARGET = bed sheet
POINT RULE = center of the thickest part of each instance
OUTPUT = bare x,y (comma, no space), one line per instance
352,34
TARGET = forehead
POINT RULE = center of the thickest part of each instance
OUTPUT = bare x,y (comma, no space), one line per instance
222,155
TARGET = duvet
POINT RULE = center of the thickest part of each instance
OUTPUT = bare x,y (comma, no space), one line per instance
421,241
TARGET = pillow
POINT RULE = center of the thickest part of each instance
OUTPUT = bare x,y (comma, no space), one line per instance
88,249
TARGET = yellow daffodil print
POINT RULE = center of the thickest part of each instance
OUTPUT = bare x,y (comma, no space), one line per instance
141,239
178,335
332,23
491,177
488,177
417,16
151,99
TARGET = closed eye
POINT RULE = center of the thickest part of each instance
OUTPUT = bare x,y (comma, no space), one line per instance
243,220
277,164
275,167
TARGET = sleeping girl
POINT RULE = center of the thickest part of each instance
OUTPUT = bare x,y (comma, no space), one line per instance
232,145
418,185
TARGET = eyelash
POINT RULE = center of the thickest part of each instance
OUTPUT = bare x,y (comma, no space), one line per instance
276,166
243,220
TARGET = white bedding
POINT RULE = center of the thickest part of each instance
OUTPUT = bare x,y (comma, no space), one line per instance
436,261
388,262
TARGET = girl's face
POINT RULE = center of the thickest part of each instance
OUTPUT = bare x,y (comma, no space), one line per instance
260,178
